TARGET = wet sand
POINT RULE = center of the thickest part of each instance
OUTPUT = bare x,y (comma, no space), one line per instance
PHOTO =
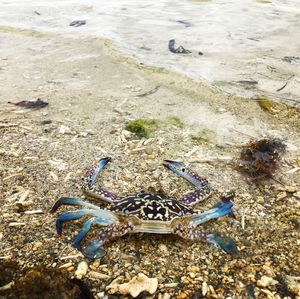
92,92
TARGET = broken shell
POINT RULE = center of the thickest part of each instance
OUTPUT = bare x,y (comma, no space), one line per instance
266,281
135,286
82,269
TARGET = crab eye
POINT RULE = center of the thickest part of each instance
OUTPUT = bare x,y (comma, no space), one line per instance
183,169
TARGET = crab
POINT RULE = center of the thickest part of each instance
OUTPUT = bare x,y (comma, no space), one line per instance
145,212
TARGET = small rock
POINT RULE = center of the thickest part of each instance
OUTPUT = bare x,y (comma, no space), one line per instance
260,199
163,248
46,121
97,275
266,281
204,288
65,130
281,195
140,283
297,194
82,269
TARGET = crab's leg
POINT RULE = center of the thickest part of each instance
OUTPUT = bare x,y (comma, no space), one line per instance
72,202
94,249
194,233
106,217
89,179
222,208
203,188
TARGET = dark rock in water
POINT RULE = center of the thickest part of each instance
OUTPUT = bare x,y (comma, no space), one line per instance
179,50
185,23
291,59
31,104
77,23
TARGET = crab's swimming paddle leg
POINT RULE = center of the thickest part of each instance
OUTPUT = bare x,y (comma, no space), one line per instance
222,208
194,233
93,250
89,179
202,185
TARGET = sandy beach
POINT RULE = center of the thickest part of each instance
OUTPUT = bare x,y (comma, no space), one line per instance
93,91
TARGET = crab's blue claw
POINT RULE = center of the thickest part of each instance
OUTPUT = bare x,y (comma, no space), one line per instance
186,173
72,202
99,166
225,243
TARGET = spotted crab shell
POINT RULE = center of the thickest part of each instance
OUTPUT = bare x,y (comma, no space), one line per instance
146,206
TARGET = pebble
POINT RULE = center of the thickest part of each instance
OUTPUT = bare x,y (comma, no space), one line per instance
97,275
204,288
266,281
297,194
138,284
281,195
46,121
163,248
260,199
82,269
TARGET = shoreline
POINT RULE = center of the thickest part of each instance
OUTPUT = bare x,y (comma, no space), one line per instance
92,92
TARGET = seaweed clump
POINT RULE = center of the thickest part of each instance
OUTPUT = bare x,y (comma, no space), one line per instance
142,127
259,158
176,121
46,283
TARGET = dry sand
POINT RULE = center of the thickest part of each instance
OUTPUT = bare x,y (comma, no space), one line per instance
92,92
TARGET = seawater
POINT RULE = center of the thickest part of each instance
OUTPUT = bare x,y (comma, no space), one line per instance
250,47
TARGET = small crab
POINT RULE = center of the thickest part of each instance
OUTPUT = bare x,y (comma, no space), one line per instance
145,212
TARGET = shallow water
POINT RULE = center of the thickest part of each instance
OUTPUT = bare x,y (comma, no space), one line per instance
243,42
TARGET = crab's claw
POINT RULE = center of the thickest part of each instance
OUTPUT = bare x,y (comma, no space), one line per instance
225,243
98,167
183,171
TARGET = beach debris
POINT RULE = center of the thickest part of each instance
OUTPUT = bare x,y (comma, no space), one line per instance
77,23
264,103
248,82
58,164
155,89
266,281
137,285
259,158
286,83
185,23
291,59
179,50
176,121
82,269
42,282
64,130
142,127
37,104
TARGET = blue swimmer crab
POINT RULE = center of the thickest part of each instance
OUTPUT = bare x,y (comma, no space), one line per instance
145,212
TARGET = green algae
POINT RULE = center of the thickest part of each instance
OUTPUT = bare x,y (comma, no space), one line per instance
142,127
204,136
176,121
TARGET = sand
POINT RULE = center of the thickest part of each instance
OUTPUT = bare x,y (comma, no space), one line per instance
92,92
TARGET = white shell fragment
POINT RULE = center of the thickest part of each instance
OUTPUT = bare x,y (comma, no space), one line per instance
135,286
82,269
